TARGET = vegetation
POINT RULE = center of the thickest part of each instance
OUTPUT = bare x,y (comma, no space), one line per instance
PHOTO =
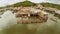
25,3
28,3
51,5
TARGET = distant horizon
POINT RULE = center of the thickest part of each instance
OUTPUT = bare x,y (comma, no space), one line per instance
9,2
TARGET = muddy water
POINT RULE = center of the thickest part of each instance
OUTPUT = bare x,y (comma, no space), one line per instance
7,19
52,26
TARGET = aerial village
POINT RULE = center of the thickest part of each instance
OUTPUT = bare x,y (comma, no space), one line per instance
36,14
34,18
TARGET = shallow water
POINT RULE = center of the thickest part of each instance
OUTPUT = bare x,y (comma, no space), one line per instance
7,19
52,26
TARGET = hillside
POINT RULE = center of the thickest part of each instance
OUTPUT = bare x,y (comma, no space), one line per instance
51,5
28,3
25,3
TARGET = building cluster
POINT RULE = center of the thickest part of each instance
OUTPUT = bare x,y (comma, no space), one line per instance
54,11
28,14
